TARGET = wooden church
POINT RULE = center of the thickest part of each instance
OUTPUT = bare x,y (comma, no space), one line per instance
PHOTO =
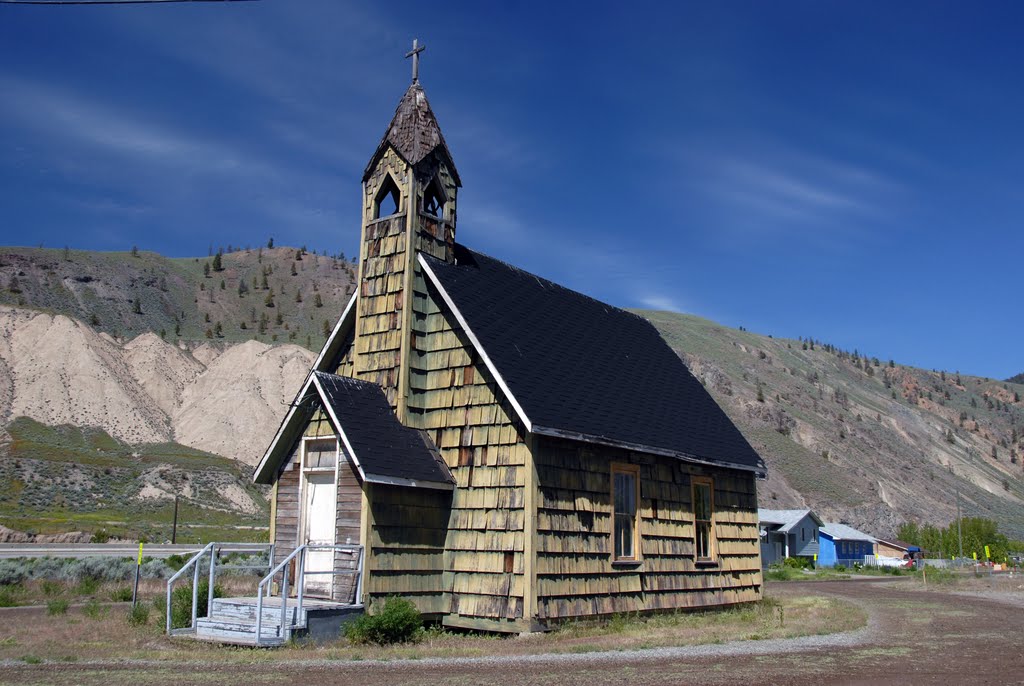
509,452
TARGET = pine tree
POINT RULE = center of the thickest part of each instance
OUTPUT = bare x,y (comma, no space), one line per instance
269,300
270,243
298,296
218,331
137,306
327,328
206,270
263,284
222,284
135,251
318,301
218,266
279,319
294,271
14,286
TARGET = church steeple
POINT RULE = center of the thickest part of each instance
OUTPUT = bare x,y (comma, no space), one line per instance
410,189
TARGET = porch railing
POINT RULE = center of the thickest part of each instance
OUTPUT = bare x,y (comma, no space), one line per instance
214,551
264,590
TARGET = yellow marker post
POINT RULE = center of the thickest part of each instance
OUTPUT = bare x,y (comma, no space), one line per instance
138,568
987,554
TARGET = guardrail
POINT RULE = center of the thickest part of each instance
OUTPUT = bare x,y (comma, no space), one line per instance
299,555
214,550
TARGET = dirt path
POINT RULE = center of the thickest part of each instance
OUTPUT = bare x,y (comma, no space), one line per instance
913,637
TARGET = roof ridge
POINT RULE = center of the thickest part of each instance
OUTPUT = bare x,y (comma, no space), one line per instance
546,280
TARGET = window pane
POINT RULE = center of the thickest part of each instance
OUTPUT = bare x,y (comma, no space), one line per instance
702,501
625,493
321,454
623,536
703,540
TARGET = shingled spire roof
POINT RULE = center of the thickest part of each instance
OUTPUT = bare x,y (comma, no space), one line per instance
413,133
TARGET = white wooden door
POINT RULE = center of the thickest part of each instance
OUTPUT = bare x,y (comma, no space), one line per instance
319,526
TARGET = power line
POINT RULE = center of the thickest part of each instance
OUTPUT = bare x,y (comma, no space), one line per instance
106,2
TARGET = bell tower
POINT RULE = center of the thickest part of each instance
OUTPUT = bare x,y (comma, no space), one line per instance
410,189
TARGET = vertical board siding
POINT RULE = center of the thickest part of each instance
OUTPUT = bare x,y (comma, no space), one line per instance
286,525
453,397
575,574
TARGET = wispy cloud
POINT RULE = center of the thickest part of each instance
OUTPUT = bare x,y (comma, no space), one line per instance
660,301
65,116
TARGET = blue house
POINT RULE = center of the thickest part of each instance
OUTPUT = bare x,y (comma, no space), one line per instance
787,533
844,545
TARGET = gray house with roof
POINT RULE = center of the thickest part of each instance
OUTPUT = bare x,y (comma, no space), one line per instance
506,453
788,533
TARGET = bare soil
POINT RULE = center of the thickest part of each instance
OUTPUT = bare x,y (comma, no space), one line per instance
915,635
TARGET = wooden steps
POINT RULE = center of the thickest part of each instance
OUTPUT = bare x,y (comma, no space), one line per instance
233,620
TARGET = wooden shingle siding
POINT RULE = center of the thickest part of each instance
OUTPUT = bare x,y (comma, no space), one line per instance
407,545
453,397
575,574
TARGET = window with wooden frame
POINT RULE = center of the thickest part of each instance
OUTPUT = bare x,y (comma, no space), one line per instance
703,519
625,526
321,454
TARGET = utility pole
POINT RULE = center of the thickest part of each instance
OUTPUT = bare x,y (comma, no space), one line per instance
174,530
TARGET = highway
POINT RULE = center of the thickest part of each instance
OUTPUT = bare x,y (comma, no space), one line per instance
9,550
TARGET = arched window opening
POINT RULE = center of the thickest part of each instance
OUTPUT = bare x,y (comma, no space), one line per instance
433,199
388,199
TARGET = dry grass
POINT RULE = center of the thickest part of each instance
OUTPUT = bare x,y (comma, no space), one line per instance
86,633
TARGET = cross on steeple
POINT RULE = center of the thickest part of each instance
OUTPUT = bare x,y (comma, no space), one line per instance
415,55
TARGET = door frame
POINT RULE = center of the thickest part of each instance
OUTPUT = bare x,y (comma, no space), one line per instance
304,473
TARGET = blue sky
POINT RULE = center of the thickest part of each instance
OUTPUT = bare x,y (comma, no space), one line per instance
847,171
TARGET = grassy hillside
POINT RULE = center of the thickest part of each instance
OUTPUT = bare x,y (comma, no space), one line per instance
279,294
859,438
56,479
1018,379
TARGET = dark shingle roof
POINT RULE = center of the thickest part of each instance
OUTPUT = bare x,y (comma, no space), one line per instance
413,132
581,368
384,449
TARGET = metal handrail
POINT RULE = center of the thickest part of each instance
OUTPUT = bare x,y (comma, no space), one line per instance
211,548
300,552
195,586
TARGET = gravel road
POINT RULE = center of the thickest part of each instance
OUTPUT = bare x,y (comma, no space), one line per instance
913,636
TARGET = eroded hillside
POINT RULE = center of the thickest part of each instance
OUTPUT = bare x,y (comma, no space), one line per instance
858,438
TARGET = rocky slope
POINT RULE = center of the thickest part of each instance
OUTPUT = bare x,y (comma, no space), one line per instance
223,398
862,439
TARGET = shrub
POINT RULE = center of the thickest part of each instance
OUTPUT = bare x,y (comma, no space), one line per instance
57,606
51,588
156,569
181,603
398,622
13,572
8,596
94,610
139,615
798,563
122,594
88,586
840,568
